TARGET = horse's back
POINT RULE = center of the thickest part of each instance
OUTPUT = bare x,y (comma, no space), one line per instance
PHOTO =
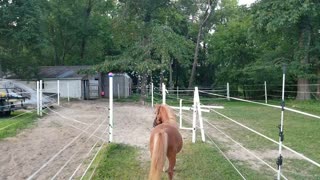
174,136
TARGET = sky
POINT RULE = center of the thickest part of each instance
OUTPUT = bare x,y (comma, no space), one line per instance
247,2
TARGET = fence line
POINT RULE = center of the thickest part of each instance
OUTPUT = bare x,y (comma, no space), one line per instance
225,156
239,145
86,156
279,107
266,137
75,127
85,172
264,162
71,119
56,155
65,164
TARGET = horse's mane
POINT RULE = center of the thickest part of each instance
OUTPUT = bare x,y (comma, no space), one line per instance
166,113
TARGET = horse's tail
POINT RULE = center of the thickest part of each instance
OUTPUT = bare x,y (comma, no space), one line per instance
159,153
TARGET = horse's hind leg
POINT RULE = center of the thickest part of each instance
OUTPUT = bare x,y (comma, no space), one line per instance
172,163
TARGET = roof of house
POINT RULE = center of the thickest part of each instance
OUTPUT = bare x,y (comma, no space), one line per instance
62,72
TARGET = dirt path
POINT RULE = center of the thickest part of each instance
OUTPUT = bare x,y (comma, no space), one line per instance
63,136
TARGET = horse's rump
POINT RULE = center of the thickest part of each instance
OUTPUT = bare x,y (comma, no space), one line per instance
165,141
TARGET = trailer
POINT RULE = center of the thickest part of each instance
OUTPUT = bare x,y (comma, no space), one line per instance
10,101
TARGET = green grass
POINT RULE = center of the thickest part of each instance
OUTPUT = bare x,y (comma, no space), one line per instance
118,161
301,132
204,161
10,126
195,161
131,98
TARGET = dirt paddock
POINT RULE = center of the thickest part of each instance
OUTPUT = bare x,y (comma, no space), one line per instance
64,136
68,136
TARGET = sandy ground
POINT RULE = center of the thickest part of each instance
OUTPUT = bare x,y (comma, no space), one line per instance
61,140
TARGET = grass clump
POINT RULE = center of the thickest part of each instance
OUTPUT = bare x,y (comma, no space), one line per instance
204,161
10,126
119,161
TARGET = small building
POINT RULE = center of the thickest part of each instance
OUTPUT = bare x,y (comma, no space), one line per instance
72,83
75,84
122,85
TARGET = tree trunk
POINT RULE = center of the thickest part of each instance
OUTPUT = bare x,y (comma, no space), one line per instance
85,29
144,81
170,75
82,47
195,59
161,79
303,90
56,57
207,14
318,84
1,69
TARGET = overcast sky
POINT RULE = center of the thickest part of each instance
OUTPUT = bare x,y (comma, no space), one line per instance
248,2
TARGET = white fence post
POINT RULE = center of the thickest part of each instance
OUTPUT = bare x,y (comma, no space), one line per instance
68,91
163,93
265,92
118,91
152,94
197,112
180,113
228,92
38,98
194,119
110,107
279,161
58,92
203,137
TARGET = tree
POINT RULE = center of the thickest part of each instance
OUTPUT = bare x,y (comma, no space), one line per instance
153,44
294,18
77,32
209,10
20,36
231,50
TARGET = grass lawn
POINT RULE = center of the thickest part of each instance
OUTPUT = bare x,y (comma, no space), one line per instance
10,126
117,161
301,132
196,161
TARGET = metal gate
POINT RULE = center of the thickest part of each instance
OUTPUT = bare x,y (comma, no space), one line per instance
93,89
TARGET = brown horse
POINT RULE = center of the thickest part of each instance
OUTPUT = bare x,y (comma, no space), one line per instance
165,140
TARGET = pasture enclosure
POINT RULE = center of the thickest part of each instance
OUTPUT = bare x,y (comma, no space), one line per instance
66,140
241,138
246,132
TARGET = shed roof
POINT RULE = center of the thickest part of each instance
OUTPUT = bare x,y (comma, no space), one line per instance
62,72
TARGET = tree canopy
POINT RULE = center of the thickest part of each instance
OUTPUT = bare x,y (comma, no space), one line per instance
178,42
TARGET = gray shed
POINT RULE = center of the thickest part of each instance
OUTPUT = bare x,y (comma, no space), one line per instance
81,86
122,85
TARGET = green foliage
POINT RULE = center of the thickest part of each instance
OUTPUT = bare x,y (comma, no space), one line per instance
292,22
156,39
20,36
231,49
